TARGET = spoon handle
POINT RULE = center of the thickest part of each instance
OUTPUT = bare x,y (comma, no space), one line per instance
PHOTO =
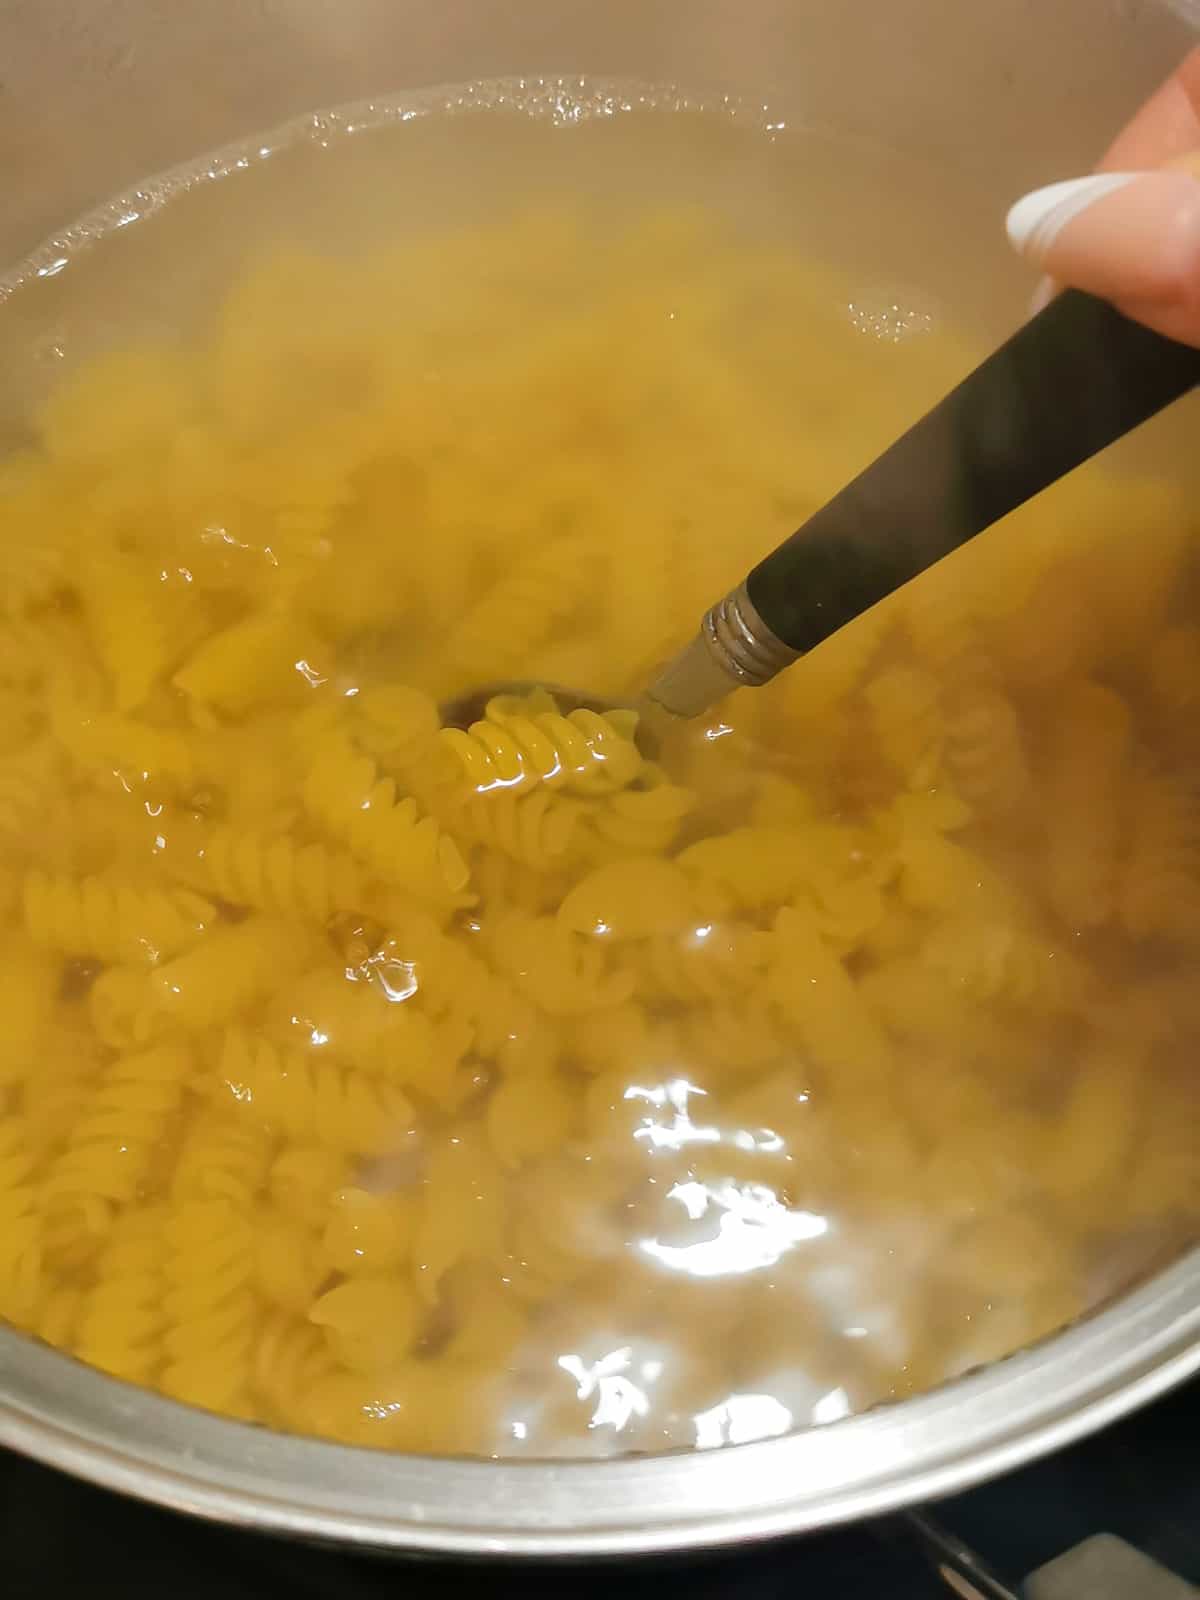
1075,378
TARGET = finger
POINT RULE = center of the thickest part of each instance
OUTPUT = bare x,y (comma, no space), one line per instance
1167,126
1132,238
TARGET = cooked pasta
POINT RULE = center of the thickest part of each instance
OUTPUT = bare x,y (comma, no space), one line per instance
519,744
112,921
544,1086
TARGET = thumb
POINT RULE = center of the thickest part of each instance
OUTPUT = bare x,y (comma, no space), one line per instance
1129,237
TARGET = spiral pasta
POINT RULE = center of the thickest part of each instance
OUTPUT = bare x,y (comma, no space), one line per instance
540,595
222,1157
535,830
227,971
20,1231
1084,791
112,921
125,614
520,744
1158,882
279,875
1003,960
122,1320
311,1099
112,1145
209,1306
346,795
447,1089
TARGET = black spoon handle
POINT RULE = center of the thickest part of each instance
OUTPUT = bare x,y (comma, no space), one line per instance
1071,381
1074,379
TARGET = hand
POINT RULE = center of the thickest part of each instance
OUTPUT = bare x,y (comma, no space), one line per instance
1130,233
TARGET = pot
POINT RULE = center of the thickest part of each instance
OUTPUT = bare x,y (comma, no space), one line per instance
95,97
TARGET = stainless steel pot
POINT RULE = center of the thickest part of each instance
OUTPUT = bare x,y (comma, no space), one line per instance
97,94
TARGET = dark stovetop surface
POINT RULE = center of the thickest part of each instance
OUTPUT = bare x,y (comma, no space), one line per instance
1140,1480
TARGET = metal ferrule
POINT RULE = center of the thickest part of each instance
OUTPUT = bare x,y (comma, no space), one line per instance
733,649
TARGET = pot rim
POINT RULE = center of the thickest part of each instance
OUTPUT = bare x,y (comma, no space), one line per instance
69,1416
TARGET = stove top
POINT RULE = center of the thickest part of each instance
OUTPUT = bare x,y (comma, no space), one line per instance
1139,1481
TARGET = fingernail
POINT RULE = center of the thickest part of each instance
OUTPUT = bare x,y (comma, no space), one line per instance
1038,218
1125,237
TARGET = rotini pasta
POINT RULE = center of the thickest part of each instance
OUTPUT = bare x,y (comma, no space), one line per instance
111,921
1158,882
568,1083
347,796
209,1305
1084,794
312,1100
523,743
20,1230
126,618
122,1320
112,1146
279,875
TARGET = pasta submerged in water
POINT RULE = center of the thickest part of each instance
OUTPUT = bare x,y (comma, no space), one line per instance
505,1089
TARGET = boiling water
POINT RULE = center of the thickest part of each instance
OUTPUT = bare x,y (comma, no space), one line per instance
507,1092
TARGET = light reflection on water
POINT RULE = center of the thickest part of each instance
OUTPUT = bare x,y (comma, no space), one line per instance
754,1230
684,1225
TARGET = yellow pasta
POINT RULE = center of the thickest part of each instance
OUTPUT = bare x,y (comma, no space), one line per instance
20,1233
313,1100
558,1084
523,743
249,869
112,921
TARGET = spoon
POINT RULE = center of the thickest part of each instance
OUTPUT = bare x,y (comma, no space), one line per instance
1074,379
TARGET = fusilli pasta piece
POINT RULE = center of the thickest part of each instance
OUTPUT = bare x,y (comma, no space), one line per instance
368,1232
462,1215
560,971
1083,795
396,726
262,660
124,603
369,1323
223,1156
314,1101
107,920
644,820
226,971
345,793
1005,961
904,705
1158,882
279,875
493,637
291,1360
20,1229
813,991
985,751
29,983
209,1306
122,1319
289,1271
112,1146
521,743
634,898
304,1180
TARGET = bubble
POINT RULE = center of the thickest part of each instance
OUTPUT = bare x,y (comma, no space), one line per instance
889,319
562,101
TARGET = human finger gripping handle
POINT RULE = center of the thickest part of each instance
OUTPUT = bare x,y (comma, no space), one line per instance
1075,378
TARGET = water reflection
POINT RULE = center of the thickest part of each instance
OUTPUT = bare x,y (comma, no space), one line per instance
754,1229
